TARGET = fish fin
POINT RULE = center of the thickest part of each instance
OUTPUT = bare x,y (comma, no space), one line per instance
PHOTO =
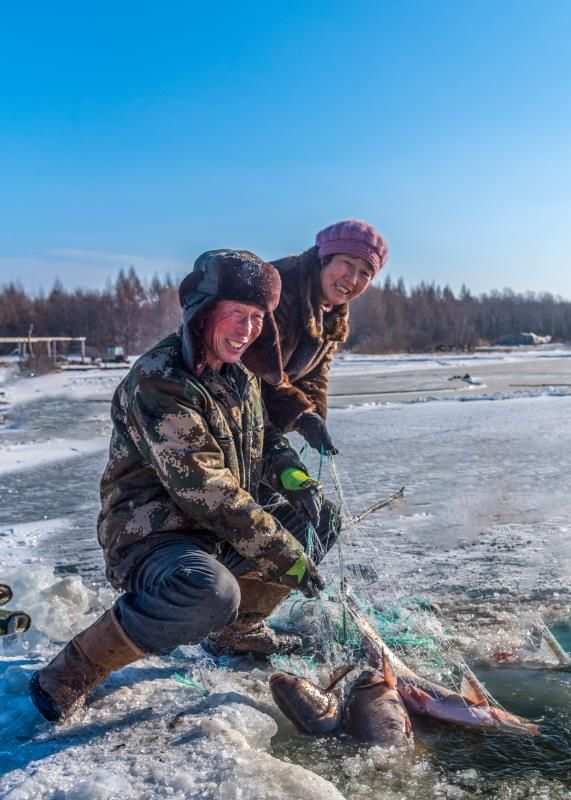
415,699
472,692
337,676
388,672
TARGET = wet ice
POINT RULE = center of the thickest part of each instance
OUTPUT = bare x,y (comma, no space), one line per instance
483,532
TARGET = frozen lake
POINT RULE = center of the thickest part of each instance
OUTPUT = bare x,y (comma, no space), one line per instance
482,532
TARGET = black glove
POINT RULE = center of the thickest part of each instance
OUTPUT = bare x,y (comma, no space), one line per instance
303,492
312,428
304,577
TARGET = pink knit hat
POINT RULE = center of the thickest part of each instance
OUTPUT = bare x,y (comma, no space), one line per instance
355,238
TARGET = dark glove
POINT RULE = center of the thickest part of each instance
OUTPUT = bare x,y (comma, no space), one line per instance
303,492
304,577
315,433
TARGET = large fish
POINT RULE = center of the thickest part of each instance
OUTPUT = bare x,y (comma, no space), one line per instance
470,707
374,711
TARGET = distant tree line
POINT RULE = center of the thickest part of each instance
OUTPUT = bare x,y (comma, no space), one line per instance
388,318
129,313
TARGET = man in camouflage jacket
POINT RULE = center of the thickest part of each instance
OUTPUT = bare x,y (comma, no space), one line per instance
182,527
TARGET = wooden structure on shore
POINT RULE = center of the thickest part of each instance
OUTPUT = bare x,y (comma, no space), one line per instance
25,345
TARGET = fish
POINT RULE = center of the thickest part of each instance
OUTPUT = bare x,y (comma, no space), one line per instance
375,712
471,707
311,709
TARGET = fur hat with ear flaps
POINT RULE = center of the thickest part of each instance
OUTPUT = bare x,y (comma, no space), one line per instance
231,275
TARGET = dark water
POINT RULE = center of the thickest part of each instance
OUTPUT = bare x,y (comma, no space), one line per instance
542,695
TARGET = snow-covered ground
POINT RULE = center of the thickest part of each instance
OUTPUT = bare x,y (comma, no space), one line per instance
355,364
483,532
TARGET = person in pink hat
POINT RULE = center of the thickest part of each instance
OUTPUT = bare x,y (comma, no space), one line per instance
313,321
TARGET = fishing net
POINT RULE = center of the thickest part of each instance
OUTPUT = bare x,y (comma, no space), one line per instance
407,624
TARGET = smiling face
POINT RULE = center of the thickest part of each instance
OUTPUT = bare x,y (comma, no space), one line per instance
344,278
230,328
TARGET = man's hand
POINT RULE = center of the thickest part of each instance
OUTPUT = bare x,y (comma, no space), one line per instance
304,577
303,492
314,431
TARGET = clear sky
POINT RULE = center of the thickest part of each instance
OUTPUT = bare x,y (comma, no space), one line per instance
144,133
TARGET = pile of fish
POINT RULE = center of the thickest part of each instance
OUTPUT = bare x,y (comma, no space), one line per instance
373,712
378,703
11,622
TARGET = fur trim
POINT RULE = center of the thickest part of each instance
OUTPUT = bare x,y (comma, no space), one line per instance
265,359
232,275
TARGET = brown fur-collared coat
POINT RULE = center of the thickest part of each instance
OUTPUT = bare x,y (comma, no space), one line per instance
309,339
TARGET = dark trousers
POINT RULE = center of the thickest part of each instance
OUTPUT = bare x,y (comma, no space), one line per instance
181,591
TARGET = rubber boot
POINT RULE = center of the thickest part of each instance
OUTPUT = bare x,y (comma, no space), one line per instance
62,686
250,634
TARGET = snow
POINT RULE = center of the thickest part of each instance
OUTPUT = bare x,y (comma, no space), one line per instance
21,456
79,385
482,532
217,751
355,364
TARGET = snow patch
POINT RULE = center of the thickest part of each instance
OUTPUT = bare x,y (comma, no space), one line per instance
212,753
60,607
22,456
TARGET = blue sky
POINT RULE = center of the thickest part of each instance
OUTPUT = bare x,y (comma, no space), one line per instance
144,133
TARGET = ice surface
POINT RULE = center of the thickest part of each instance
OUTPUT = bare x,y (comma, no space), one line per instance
482,532
356,364
15,457
216,749
79,385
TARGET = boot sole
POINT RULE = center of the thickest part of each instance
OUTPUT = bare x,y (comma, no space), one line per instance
43,701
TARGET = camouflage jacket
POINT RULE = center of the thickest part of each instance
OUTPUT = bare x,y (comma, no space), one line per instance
186,456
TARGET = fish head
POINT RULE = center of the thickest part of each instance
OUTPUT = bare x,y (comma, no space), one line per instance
310,708
378,677
473,692
513,722
369,680
375,712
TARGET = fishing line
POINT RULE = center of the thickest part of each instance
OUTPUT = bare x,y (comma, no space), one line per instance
345,513
391,623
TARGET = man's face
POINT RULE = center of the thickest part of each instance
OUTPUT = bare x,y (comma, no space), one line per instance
230,329
344,279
